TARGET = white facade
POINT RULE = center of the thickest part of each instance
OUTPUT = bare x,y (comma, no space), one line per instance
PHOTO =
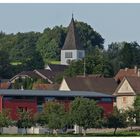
69,55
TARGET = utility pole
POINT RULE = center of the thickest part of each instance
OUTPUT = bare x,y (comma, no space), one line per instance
84,68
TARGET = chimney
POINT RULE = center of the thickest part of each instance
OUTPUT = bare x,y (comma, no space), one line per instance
138,72
22,88
135,69
126,69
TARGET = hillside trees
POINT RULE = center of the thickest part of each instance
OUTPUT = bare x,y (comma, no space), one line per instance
123,54
4,64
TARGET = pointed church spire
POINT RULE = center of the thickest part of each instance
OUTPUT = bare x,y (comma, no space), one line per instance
72,41
72,15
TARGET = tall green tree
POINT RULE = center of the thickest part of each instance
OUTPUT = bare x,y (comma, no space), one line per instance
51,42
55,114
117,119
86,113
89,37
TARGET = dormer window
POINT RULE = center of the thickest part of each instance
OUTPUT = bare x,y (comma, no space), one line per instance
68,54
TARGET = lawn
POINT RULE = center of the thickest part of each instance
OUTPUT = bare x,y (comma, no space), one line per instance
54,62
110,134
15,63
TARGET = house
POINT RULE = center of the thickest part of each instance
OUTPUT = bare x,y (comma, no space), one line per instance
72,48
25,74
127,91
89,83
48,74
135,72
35,99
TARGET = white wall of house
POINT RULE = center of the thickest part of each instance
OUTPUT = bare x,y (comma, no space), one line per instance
125,102
125,96
64,86
76,55
125,88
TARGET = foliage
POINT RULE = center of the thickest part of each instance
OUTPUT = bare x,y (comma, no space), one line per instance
137,109
117,119
86,113
89,37
95,63
24,119
5,120
131,116
123,54
50,43
25,83
4,64
55,114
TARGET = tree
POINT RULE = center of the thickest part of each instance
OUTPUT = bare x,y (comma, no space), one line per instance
25,119
96,62
51,42
55,114
75,68
137,109
117,119
131,116
4,64
86,113
89,37
5,120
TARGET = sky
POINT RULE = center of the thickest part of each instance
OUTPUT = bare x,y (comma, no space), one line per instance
115,22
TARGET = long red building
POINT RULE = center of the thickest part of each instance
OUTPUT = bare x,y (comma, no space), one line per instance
34,99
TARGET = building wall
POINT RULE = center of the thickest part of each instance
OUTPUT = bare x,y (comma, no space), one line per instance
107,107
125,96
75,56
14,104
0,103
125,102
64,86
125,88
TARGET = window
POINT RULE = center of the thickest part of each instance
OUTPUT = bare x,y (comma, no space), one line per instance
124,100
80,54
106,99
68,55
21,109
49,98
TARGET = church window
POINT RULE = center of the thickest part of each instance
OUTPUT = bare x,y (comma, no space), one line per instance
80,54
68,55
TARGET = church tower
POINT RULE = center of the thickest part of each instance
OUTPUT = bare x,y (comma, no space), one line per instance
72,48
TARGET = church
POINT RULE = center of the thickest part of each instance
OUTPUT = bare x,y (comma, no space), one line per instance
72,48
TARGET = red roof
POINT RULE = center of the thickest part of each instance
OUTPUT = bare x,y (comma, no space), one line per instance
4,85
126,72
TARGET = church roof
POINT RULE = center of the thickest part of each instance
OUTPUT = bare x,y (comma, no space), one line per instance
72,41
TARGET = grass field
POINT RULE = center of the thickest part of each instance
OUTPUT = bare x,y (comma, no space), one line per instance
118,134
15,63
55,62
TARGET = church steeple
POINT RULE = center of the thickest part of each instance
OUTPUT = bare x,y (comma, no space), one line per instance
72,41
72,48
